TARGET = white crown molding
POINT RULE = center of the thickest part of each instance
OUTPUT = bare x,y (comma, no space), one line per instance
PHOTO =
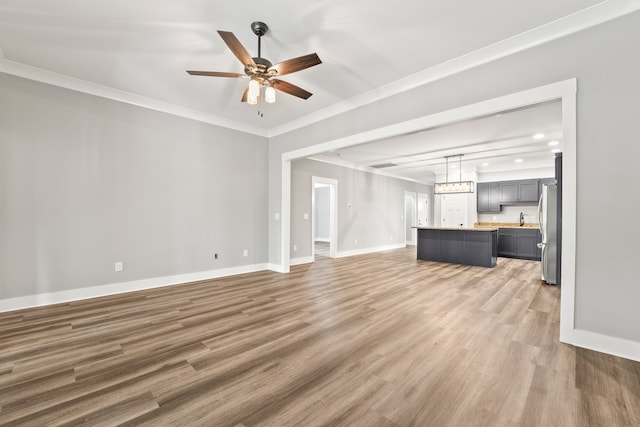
578,21
594,15
43,76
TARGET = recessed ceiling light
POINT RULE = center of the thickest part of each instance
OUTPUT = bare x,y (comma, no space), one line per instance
538,136
485,164
556,150
519,160
552,143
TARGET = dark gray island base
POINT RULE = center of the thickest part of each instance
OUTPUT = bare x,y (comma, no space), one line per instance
468,246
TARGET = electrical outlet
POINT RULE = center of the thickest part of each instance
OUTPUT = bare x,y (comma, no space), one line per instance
306,216
245,252
295,248
277,216
119,266
356,241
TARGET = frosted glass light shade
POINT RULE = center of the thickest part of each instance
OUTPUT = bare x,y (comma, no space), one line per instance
270,94
254,89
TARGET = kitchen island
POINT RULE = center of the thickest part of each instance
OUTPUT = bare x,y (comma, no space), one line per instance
468,246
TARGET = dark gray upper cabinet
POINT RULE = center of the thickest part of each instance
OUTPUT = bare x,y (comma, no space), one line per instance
482,197
518,192
493,195
489,197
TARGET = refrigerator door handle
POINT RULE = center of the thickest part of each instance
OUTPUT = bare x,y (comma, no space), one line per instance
540,212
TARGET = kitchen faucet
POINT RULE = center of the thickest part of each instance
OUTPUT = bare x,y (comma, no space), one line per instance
521,219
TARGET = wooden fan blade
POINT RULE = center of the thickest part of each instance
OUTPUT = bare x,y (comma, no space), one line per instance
236,47
214,74
296,64
289,88
245,94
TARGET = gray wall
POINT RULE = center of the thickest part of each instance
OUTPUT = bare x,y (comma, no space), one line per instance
86,182
370,207
321,212
604,61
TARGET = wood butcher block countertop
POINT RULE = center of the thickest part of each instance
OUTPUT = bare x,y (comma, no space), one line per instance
482,225
459,228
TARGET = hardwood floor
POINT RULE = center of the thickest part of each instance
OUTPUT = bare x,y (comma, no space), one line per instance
373,340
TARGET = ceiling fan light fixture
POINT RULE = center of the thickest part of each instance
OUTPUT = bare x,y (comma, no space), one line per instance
261,70
254,90
270,94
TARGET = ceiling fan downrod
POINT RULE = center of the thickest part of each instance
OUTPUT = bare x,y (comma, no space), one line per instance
259,29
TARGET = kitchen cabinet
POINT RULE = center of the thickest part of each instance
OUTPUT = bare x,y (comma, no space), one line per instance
491,196
519,243
488,197
458,246
519,192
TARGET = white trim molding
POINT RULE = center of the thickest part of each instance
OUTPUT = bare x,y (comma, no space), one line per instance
60,80
589,17
607,344
578,21
48,298
302,260
371,250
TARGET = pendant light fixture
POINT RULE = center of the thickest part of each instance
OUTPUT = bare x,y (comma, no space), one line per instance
454,187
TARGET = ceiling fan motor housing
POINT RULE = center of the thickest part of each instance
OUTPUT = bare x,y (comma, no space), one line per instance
262,65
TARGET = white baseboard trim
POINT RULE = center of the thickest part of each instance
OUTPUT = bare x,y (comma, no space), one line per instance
29,301
603,343
301,260
364,251
277,268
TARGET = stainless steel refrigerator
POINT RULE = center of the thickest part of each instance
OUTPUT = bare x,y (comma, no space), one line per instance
548,220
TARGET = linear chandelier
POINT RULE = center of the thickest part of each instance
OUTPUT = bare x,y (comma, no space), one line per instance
454,187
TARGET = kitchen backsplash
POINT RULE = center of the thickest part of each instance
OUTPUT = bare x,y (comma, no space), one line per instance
511,214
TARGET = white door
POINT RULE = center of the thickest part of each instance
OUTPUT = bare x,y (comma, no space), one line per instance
454,210
410,217
423,210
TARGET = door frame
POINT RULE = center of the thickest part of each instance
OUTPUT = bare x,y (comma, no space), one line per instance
565,90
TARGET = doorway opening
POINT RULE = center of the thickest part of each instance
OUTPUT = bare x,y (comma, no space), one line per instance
324,217
417,213
410,221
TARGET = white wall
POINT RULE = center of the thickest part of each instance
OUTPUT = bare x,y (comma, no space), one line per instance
86,182
602,60
511,214
370,207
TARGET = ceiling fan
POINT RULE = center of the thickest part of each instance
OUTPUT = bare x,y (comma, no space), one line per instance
260,70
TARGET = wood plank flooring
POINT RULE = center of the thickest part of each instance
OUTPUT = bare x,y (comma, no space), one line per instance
372,340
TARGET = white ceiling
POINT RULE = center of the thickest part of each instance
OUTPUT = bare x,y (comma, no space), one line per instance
138,51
